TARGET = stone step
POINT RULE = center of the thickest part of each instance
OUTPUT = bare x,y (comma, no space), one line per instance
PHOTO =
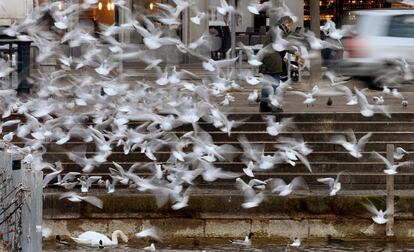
378,146
315,157
307,116
317,167
321,127
133,204
374,126
263,136
216,215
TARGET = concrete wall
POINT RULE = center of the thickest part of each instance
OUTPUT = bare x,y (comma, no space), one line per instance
297,8
12,10
277,229
246,19
221,216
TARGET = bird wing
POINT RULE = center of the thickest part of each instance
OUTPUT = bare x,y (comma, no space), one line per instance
166,7
70,176
286,121
363,141
247,49
92,179
264,51
299,182
304,160
93,201
270,120
224,63
351,135
345,90
142,31
400,150
305,95
366,108
150,232
386,161
241,185
338,139
276,182
337,176
68,195
371,208
327,181
49,177
406,163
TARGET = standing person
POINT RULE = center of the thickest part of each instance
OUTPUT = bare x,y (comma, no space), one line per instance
274,65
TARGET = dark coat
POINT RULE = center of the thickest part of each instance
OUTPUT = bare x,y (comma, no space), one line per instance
273,63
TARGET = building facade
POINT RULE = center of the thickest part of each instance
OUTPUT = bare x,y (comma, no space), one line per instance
340,11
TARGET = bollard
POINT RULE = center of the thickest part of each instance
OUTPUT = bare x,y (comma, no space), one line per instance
390,193
6,198
32,210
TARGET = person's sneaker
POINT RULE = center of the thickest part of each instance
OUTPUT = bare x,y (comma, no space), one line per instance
264,107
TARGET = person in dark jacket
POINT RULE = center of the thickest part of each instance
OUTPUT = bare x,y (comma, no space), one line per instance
273,64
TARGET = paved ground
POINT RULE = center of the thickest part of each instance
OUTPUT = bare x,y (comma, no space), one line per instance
293,103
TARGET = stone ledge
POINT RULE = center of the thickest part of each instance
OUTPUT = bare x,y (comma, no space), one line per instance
213,205
274,229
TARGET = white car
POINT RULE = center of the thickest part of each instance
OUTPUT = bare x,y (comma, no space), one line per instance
382,47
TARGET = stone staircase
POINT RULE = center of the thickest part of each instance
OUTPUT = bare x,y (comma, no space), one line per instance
215,208
327,159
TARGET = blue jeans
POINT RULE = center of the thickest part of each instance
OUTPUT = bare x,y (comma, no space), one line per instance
266,89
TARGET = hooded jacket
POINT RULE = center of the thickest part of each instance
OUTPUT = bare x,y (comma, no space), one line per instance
273,63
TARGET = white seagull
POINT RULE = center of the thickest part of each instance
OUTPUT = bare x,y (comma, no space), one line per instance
225,8
334,184
251,199
354,147
391,168
399,153
379,215
246,242
279,185
72,196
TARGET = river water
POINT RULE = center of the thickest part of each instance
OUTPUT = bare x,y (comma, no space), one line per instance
338,246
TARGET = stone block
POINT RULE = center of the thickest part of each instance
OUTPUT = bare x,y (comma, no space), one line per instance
128,226
227,228
58,227
288,229
345,227
176,227
79,226
260,228
404,229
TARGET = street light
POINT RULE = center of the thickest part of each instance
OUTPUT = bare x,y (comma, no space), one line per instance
99,6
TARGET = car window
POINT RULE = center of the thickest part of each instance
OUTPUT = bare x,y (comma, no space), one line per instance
402,26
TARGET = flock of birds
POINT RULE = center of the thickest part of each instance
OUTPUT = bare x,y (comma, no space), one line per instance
96,109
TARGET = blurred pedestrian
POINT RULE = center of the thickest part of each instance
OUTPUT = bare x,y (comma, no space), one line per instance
274,65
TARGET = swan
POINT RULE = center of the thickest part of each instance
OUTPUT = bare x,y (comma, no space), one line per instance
93,238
